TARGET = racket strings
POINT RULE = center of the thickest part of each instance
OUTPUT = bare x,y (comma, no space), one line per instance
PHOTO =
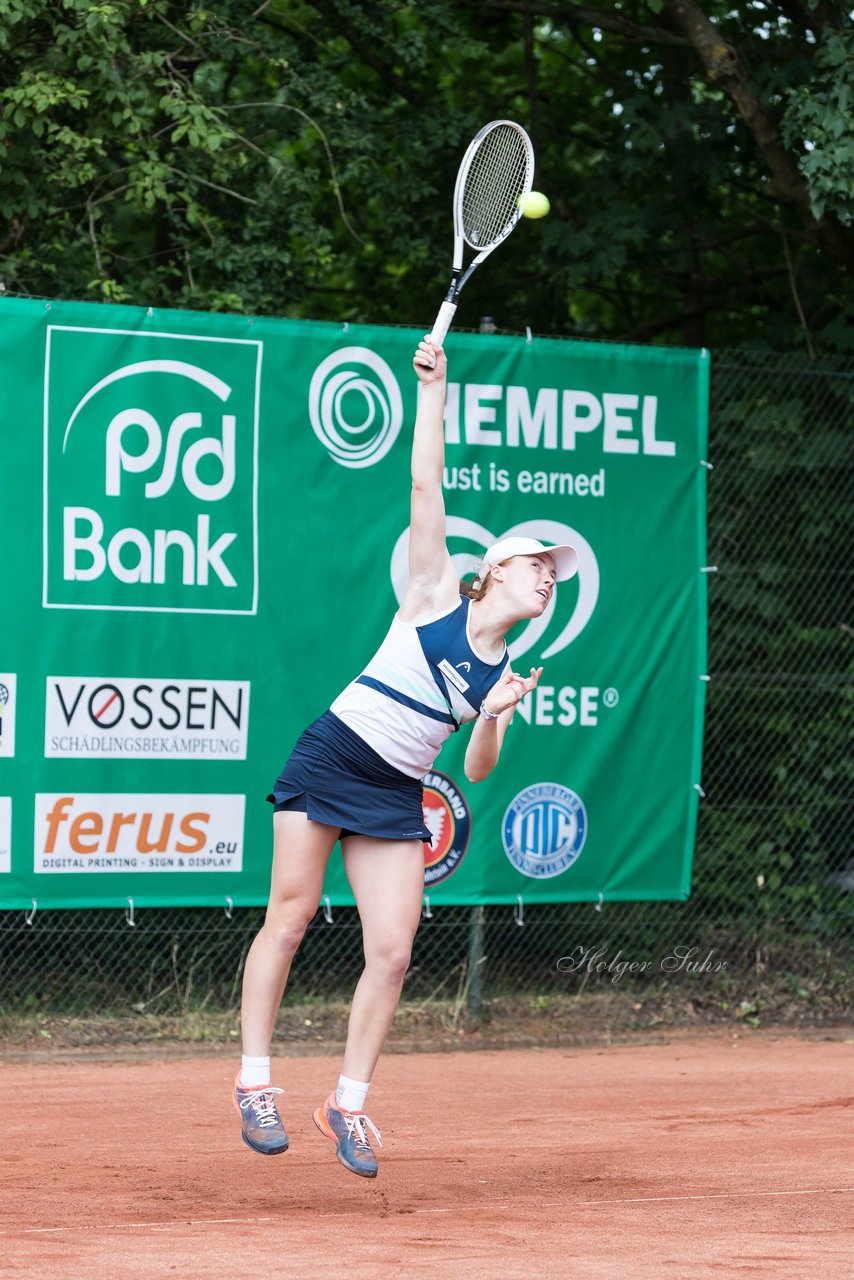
499,172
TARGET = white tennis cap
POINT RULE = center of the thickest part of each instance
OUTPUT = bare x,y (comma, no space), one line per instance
565,558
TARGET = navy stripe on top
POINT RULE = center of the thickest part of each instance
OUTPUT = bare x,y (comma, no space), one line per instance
406,701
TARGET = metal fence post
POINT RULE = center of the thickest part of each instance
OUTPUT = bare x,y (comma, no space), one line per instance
476,962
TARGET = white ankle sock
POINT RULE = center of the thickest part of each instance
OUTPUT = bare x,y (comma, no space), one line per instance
254,1071
351,1094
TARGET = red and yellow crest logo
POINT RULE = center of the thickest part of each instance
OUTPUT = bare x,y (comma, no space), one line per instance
448,817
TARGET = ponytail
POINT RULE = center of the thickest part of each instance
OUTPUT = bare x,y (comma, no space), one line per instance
476,589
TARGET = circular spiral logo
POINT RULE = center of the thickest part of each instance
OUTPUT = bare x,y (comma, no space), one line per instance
355,406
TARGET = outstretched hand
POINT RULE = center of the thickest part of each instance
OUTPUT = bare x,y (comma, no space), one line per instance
429,362
510,690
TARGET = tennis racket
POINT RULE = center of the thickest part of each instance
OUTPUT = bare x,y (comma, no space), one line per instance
496,170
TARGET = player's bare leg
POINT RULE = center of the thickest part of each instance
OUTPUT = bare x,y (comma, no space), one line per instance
301,851
387,879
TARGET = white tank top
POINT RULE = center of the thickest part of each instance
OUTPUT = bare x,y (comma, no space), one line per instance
423,682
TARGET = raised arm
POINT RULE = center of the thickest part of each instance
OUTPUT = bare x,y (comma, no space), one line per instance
433,583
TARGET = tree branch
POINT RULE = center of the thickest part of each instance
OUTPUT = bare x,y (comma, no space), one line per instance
581,15
284,106
13,237
813,16
369,57
531,74
793,285
723,66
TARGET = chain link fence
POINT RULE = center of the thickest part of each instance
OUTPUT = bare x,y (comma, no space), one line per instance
767,931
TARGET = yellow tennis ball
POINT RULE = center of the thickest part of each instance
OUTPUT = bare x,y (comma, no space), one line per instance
533,204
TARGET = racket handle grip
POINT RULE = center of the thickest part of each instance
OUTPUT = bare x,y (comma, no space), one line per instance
443,323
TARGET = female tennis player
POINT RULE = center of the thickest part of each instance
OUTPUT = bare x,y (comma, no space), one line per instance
355,776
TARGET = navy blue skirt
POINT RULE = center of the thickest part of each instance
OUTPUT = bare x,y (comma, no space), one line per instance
333,776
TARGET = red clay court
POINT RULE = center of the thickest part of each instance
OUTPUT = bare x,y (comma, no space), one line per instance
714,1156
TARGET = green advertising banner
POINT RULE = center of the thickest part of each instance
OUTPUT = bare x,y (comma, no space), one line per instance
204,522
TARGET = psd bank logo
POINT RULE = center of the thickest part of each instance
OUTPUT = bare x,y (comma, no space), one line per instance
572,603
150,474
544,830
355,406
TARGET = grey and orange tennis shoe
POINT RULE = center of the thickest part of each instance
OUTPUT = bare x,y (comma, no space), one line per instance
349,1131
263,1130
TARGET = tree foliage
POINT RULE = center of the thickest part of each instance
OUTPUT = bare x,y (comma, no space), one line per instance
778,774
297,157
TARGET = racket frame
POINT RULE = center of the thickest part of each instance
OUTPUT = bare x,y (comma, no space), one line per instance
459,277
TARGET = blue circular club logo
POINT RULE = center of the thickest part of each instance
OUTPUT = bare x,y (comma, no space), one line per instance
544,830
